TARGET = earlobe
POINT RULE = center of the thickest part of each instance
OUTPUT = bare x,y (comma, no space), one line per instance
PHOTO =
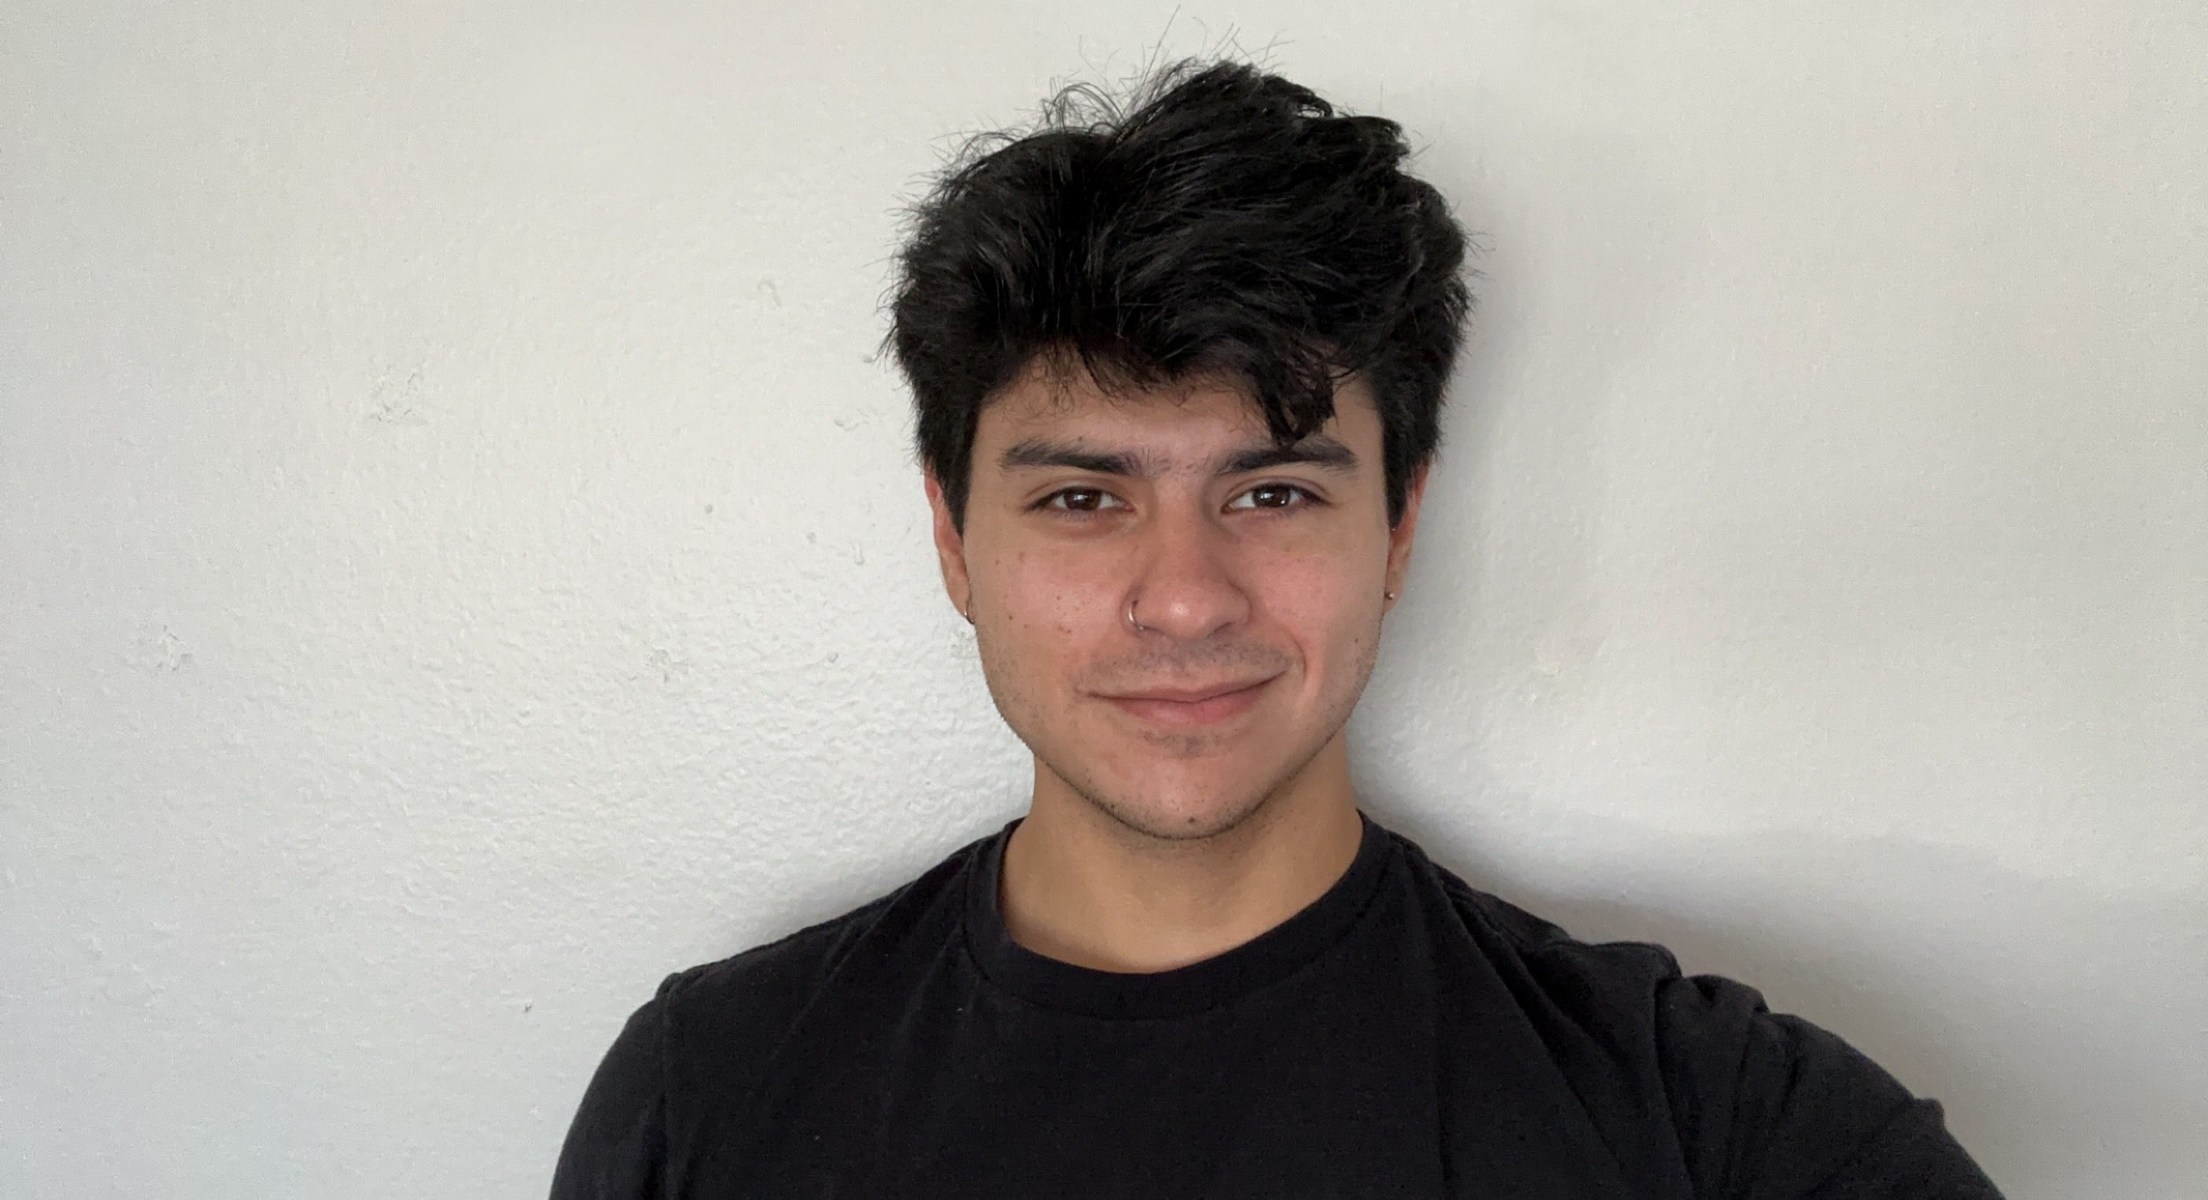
1405,532
950,548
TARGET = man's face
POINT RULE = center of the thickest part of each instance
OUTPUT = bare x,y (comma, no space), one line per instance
1257,578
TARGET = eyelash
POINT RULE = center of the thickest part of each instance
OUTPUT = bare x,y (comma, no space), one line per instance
1049,503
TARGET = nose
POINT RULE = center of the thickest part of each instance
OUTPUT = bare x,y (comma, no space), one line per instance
1186,586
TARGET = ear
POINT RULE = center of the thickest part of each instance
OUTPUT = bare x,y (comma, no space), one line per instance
950,549
1405,531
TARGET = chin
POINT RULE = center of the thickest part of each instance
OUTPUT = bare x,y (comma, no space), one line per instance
1183,808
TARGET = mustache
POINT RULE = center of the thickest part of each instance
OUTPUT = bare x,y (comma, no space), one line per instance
1188,664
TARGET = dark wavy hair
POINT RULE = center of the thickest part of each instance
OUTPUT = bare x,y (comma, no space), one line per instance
1223,220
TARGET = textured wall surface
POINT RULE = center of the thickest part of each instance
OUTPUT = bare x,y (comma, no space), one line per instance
462,558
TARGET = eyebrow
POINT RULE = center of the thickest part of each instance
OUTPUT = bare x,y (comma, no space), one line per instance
1318,450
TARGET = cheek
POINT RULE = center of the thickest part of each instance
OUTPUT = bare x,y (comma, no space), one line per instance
1317,591
1044,611
1324,606
1044,593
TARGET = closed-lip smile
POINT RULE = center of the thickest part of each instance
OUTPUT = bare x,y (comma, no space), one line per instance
1206,704
1187,695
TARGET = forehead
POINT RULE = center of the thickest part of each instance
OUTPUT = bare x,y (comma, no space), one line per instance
1199,410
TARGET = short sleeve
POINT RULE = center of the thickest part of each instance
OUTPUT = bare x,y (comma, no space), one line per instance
616,1146
1772,1107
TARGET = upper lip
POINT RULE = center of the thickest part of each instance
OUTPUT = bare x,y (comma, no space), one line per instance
1190,695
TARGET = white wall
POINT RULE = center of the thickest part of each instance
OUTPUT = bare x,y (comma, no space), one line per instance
463,560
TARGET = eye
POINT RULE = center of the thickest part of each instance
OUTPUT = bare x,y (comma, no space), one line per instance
1080,500
1276,496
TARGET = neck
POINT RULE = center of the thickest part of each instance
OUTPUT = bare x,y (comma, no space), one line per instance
1084,888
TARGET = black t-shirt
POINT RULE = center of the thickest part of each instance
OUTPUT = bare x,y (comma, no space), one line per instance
1403,1035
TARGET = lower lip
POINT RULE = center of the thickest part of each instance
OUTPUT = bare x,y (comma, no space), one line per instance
1194,713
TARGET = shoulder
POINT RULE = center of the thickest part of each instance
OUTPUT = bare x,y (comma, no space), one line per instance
1532,952
768,979
707,1032
739,1007
1762,1103
1630,994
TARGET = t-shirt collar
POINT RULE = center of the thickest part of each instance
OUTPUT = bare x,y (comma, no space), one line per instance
1182,991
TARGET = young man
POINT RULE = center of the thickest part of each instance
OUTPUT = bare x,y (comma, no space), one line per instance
1177,376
